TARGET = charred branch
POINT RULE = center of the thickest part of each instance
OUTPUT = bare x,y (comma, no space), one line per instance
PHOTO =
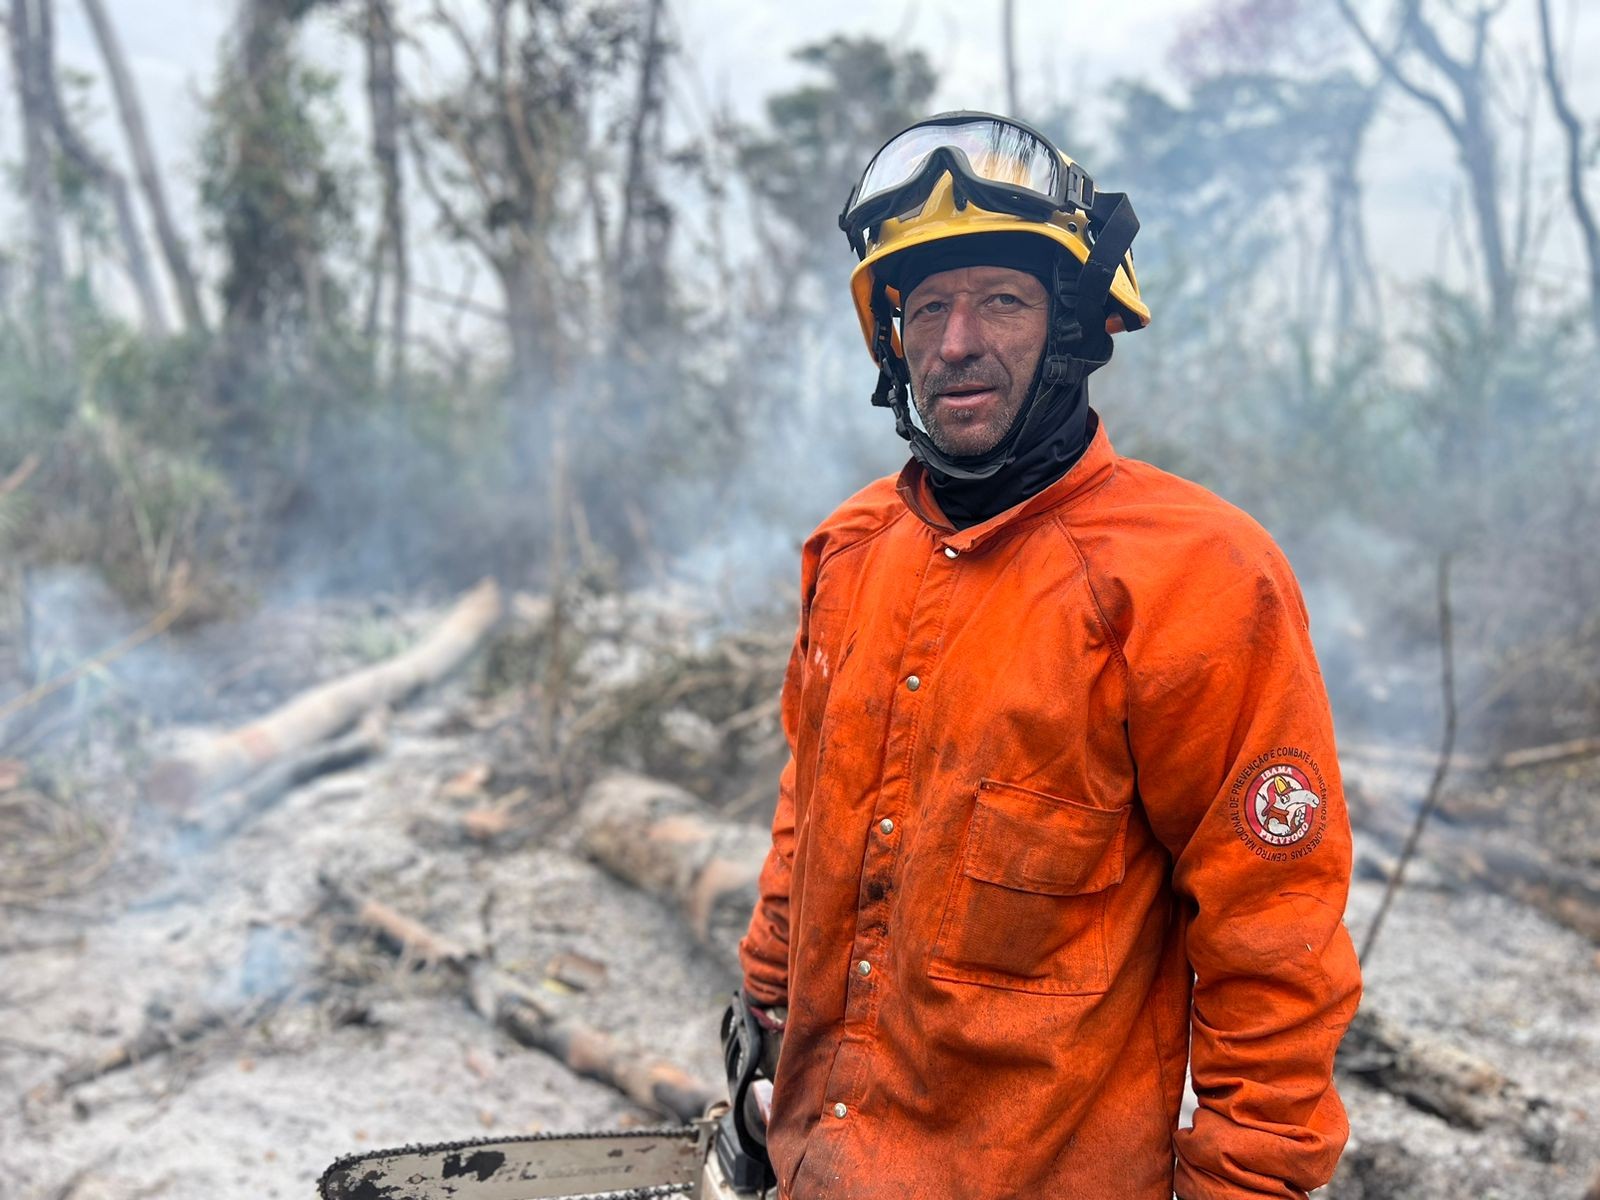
164,1031
1447,687
1538,756
1463,858
533,1019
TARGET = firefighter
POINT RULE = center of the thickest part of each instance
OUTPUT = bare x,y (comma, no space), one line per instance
1020,881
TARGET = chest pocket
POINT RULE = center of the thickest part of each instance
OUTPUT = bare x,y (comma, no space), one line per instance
1027,907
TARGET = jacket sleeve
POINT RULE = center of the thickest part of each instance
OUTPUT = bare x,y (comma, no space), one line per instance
764,950
1229,725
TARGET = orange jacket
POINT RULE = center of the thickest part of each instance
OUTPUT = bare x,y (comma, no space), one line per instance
1048,772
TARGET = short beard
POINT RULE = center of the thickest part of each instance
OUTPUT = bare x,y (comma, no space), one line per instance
940,432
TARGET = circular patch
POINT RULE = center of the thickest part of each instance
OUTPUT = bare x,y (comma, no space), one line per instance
1281,805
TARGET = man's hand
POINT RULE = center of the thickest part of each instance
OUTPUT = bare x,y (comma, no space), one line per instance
772,1021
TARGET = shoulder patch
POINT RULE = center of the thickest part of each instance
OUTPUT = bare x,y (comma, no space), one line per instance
1276,805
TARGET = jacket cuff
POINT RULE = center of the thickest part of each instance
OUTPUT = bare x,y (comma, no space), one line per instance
1195,1183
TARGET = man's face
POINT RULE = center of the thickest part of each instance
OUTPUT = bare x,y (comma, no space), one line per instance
973,337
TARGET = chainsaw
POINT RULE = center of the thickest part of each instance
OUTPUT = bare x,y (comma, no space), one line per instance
721,1156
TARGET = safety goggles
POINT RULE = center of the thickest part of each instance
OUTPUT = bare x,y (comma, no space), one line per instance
999,163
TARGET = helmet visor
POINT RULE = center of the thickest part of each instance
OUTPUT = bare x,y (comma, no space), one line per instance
996,151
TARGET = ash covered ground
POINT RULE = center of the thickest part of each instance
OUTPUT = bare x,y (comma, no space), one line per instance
320,1043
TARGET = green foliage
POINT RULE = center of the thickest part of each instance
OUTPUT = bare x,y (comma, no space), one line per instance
84,207
276,199
124,480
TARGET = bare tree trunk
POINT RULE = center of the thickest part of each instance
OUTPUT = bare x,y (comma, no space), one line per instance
640,285
383,97
1008,47
1575,154
525,322
1345,251
1470,127
144,159
509,140
1479,161
111,181
635,188
30,56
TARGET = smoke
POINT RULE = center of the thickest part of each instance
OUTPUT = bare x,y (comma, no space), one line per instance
72,617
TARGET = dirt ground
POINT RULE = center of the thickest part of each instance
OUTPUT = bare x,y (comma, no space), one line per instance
329,1045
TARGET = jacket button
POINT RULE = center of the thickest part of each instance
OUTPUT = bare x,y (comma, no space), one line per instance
863,968
913,683
840,1111
886,826
950,552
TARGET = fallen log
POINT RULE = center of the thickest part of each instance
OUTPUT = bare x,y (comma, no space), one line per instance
1537,756
229,758
231,811
662,839
1441,1079
532,1019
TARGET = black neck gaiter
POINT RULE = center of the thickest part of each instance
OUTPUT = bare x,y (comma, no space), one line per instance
1059,434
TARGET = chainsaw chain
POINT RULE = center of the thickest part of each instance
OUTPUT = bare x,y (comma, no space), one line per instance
686,1132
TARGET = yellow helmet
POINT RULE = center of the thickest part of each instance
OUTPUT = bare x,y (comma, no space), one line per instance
965,173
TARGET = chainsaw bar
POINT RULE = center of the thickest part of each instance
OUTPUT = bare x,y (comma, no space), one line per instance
626,1164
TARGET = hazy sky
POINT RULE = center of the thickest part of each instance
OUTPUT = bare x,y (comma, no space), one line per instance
739,52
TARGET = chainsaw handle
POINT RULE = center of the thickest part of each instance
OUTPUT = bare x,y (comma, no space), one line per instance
742,1140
